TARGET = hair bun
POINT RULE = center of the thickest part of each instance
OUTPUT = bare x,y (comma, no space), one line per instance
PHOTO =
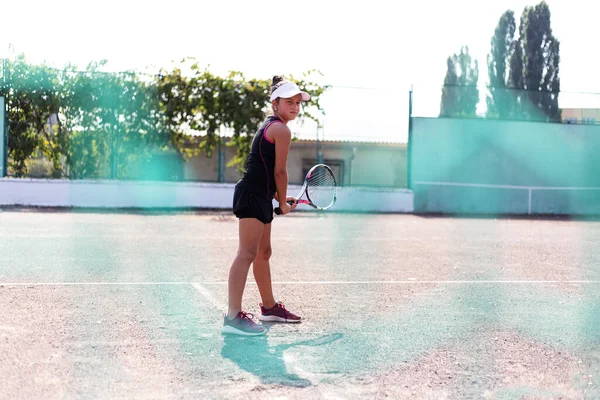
277,79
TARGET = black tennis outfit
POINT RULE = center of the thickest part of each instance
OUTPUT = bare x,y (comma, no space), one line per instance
253,194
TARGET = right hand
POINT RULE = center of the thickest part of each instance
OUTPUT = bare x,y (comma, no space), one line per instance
285,208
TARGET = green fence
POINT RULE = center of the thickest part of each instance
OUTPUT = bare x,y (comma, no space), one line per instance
494,166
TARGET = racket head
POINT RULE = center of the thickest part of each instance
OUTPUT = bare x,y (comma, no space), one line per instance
321,187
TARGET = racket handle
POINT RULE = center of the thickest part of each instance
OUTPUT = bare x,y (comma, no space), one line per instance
278,210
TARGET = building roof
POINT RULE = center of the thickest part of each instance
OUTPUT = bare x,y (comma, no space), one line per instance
194,140
353,142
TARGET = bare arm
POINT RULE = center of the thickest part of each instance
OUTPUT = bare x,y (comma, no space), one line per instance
283,138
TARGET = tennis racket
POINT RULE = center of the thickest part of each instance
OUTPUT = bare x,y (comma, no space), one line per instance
319,187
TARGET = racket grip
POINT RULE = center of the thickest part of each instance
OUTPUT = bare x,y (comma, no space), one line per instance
278,210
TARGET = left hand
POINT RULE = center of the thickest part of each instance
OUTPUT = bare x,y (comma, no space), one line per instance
294,200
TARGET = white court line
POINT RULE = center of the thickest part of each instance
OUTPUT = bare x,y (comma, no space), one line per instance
200,238
208,296
486,185
198,285
89,283
410,282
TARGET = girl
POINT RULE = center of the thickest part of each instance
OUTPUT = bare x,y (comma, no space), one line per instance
265,178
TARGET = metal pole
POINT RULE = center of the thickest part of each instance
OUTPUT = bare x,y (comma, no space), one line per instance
6,132
3,141
3,138
6,115
220,177
409,144
317,145
320,145
352,164
114,139
113,155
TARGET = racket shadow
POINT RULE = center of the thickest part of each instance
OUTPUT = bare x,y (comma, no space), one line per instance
256,356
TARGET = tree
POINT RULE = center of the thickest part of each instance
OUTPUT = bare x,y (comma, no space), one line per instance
449,102
460,94
72,117
253,101
201,103
500,101
535,65
94,124
111,121
30,101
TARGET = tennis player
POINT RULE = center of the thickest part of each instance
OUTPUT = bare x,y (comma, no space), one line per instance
265,177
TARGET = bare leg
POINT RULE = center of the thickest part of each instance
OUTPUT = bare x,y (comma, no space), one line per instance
250,232
262,269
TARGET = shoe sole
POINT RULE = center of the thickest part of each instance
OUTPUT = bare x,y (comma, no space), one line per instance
233,331
274,318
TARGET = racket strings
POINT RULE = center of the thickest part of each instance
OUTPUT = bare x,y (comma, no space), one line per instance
321,187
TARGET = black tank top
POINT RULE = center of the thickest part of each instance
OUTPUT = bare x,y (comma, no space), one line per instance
259,174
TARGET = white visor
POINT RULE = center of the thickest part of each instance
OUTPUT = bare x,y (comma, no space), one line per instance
287,90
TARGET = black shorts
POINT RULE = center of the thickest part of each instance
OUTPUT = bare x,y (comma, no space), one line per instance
250,205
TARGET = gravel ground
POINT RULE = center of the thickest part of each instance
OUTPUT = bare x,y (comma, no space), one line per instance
129,305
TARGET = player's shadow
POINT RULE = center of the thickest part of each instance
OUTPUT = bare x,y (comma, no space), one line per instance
254,355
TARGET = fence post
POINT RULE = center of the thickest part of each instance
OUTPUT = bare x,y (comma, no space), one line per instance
221,174
3,139
409,144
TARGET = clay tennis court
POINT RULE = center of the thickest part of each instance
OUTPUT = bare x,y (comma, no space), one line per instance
130,305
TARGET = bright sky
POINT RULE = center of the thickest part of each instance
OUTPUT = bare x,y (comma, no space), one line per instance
375,44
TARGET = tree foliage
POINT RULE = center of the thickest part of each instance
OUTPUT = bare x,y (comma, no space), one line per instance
500,101
524,71
111,120
204,105
460,94
538,61
29,103
94,124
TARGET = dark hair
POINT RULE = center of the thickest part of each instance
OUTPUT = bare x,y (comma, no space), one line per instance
277,81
